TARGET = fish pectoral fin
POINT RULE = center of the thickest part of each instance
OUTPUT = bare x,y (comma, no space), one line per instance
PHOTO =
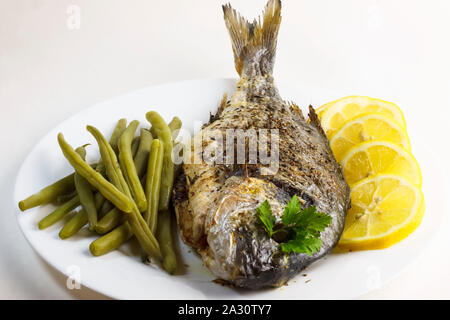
295,109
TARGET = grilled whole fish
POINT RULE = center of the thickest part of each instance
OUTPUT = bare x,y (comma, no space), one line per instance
216,203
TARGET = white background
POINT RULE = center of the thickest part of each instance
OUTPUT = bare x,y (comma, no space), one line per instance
50,69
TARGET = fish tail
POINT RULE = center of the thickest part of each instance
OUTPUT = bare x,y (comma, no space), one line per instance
254,43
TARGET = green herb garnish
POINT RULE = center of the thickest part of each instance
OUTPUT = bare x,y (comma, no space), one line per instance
300,229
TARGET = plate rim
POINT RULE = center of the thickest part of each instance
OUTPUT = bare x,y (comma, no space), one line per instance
95,288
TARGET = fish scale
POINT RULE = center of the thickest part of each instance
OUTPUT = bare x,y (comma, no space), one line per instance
216,204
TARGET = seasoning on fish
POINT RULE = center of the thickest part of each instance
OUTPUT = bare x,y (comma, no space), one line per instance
216,203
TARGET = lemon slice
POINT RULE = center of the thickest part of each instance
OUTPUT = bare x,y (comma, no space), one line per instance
385,210
373,157
320,109
333,115
366,127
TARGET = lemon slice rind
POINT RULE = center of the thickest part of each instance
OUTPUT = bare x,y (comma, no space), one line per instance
416,179
397,232
404,139
329,110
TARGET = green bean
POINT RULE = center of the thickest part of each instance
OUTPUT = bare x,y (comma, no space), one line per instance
135,145
175,125
82,152
109,158
108,190
142,232
113,216
100,168
111,220
163,133
104,207
99,202
111,241
49,193
128,168
65,197
107,207
138,226
141,157
117,133
153,183
79,219
164,236
143,179
65,185
59,213
85,193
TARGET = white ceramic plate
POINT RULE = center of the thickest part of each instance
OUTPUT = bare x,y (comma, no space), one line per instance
121,275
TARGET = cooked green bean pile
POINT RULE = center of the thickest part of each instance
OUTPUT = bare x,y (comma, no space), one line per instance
125,194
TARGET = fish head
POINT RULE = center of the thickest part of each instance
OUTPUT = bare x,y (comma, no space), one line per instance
239,249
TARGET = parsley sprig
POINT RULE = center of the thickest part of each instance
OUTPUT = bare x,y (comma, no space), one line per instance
300,229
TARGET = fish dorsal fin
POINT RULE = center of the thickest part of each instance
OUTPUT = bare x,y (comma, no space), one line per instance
254,43
295,109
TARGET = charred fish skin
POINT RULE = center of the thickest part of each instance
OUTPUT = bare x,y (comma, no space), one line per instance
216,204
